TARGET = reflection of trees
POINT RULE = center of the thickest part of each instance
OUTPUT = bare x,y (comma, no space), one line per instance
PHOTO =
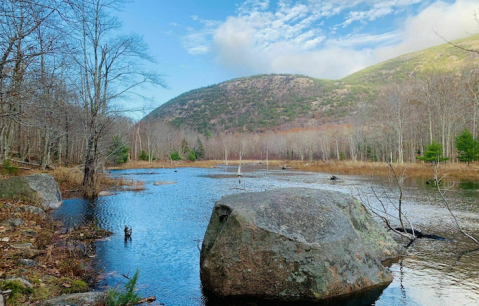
401,284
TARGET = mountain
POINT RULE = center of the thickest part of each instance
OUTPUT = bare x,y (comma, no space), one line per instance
284,101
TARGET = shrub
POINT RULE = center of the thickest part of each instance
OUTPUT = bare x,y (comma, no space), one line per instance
192,156
126,297
8,169
143,155
175,155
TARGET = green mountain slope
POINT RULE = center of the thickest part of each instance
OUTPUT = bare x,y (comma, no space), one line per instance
286,101
443,58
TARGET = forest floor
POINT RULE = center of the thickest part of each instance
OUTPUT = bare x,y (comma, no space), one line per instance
43,258
422,170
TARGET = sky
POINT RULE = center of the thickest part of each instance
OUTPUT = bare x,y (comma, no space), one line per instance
197,43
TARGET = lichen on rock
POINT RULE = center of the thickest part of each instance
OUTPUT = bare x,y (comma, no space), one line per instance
294,244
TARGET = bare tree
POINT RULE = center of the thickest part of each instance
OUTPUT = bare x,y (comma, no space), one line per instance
110,67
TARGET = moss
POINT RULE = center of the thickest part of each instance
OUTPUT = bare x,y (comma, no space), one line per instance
18,291
75,286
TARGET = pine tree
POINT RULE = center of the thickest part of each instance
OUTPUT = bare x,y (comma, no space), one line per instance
467,146
433,153
118,151
199,149
184,147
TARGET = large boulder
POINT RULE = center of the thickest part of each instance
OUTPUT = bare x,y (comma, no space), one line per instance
294,244
40,189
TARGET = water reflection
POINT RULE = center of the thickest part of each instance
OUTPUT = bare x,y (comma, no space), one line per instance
168,220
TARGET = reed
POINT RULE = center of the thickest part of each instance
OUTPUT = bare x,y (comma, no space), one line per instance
424,170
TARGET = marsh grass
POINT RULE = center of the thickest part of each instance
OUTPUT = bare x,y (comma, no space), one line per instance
70,181
422,170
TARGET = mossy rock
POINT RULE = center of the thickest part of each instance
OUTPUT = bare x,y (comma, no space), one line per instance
37,189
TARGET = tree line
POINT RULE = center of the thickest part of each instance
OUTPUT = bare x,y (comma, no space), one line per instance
408,121
65,66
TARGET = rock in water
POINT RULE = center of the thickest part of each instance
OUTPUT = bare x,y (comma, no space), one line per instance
294,244
40,189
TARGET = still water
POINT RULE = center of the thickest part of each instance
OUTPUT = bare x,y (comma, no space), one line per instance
169,220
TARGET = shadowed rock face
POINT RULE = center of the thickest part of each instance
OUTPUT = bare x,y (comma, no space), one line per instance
40,189
294,244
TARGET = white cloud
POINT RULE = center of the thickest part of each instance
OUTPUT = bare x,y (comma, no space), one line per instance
248,45
380,9
292,37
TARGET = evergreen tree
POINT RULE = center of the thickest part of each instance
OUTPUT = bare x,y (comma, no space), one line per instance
199,149
467,146
192,156
118,151
175,155
184,147
433,153
143,155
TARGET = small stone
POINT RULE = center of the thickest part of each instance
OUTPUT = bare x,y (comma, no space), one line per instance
7,206
23,246
5,239
34,210
14,222
23,281
27,262
30,233
2,302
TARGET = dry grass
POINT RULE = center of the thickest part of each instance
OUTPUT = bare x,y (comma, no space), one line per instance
70,181
454,170
423,170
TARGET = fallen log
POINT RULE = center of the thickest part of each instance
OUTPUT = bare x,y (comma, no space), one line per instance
147,300
420,234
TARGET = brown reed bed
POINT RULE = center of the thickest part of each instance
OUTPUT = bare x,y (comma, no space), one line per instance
70,181
423,170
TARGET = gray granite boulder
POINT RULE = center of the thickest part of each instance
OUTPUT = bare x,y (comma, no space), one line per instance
77,299
294,244
40,189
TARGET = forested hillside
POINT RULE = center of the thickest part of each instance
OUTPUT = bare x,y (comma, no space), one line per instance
262,102
285,101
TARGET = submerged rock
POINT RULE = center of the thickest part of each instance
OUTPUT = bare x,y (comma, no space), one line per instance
294,244
159,183
77,299
106,193
39,189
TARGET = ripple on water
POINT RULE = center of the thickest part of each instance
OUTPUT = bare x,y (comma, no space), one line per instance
167,221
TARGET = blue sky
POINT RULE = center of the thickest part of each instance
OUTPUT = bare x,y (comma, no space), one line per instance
202,42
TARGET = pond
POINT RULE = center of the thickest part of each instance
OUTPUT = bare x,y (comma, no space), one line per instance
169,220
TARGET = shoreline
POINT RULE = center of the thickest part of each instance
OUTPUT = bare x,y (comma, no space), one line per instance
418,170
41,258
